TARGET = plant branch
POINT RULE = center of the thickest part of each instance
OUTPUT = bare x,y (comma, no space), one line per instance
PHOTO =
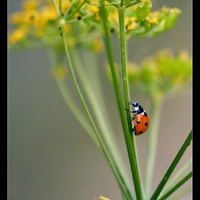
128,136
177,176
152,141
102,146
175,187
172,167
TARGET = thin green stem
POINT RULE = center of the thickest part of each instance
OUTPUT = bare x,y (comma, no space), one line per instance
96,101
102,146
128,137
175,187
177,176
95,97
172,167
66,16
60,8
182,192
152,141
71,103
56,7
77,20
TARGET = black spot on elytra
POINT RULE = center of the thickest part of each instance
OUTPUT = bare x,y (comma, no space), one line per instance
140,132
138,122
146,124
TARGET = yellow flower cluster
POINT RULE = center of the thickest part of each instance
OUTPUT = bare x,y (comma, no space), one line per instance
83,23
161,73
152,18
40,21
32,18
130,23
95,11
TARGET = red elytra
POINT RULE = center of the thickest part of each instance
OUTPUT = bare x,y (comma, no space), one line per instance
141,123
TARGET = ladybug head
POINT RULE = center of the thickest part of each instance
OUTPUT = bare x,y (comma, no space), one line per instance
135,103
136,106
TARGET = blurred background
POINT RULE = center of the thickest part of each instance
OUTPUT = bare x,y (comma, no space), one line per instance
49,154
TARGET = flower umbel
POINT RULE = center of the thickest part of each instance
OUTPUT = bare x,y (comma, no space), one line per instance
162,73
38,22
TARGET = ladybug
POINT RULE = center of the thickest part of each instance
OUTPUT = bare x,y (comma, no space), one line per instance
141,119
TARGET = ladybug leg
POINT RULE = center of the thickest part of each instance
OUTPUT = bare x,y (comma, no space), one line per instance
132,130
132,118
131,111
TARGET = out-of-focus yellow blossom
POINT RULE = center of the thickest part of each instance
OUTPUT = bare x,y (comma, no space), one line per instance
30,5
95,11
65,5
60,71
130,23
17,18
103,198
17,35
113,17
97,45
47,14
152,18
68,28
31,17
162,73
84,17
132,69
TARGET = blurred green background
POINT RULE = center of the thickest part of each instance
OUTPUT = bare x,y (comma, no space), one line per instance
49,154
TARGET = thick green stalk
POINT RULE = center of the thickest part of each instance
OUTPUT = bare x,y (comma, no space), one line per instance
116,84
128,136
152,141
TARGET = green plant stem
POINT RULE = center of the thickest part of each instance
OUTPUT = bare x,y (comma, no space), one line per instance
128,136
60,8
175,187
182,192
101,144
104,151
152,141
116,84
172,167
71,104
71,14
122,3
97,103
177,176
56,7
